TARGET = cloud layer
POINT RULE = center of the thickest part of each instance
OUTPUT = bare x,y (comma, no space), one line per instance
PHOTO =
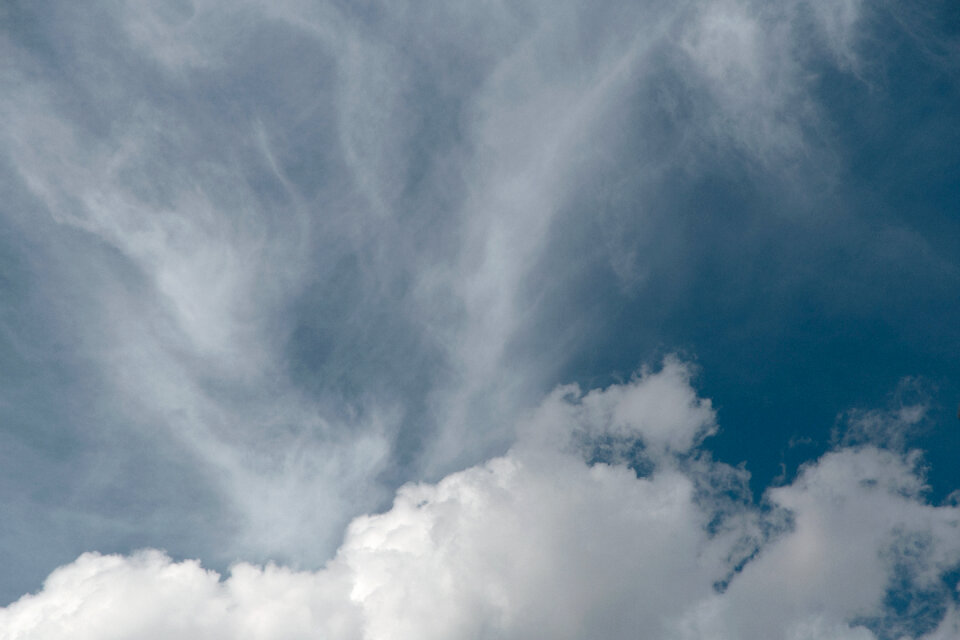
539,543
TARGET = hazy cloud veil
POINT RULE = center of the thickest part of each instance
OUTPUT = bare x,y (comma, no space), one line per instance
305,283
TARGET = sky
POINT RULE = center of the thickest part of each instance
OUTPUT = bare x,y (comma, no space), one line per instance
356,320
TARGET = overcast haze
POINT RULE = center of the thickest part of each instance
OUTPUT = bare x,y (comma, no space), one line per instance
480,319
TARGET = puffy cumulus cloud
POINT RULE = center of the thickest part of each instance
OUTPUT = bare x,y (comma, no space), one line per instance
862,542
661,410
541,543
146,595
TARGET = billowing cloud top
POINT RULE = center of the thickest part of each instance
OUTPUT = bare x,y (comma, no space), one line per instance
539,543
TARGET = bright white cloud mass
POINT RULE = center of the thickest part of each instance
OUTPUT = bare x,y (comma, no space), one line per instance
538,543
337,320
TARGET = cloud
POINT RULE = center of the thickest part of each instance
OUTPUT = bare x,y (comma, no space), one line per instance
538,542
661,410
306,252
891,428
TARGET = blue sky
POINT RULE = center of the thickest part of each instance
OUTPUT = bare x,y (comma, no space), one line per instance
281,279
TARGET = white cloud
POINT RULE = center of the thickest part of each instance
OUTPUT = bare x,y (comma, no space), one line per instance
538,543
662,410
197,237
854,510
149,596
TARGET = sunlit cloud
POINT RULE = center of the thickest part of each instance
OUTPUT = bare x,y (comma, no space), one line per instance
538,542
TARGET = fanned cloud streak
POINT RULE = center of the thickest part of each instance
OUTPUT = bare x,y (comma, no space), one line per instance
269,268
